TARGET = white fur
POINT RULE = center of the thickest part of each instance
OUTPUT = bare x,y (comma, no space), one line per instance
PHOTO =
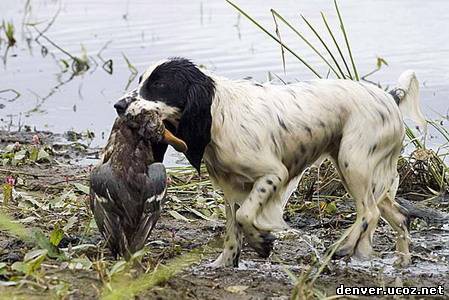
167,112
409,105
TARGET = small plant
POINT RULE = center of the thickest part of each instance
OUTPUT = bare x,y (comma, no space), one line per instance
15,154
9,30
132,69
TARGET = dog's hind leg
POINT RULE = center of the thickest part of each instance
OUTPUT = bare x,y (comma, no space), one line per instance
356,173
397,217
265,189
232,243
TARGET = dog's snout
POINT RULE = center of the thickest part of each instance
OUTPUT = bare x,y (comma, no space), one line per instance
121,106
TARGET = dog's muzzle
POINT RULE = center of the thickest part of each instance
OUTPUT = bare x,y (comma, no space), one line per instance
122,104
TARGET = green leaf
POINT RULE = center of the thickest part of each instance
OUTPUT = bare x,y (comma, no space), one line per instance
34,264
20,155
56,236
43,155
10,148
34,254
44,243
117,267
380,62
34,153
82,188
19,267
331,208
7,193
3,268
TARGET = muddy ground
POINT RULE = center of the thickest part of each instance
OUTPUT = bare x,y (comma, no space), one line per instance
51,195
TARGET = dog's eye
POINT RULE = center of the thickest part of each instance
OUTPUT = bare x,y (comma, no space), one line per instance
159,85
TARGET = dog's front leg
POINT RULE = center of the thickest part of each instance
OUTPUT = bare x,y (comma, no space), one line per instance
264,190
232,242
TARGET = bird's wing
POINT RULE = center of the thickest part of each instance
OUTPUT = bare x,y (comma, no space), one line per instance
154,196
107,198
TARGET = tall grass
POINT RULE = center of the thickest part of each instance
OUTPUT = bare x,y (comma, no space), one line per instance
336,66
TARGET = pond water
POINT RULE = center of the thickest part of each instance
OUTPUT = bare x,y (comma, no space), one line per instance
408,34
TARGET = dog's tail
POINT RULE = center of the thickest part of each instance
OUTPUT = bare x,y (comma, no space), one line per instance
406,95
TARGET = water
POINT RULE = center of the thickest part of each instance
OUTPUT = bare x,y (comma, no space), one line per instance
409,34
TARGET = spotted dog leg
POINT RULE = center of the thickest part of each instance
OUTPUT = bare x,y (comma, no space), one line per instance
263,191
397,217
357,174
232,242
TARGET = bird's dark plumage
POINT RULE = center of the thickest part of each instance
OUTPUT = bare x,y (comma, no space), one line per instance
128,187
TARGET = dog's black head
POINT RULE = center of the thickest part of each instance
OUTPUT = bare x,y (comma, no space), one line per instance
183,95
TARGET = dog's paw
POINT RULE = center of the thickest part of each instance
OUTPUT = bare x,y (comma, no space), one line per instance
403,260
222,262
343,252
263,245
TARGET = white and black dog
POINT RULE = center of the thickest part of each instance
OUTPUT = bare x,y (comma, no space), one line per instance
257,139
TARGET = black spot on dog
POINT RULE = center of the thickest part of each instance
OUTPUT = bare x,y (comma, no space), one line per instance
273,139
346,164
372,149
257,84
262,190
309,130
291,92
231,247
321,124
269,181
297,105
382,116
364,225
282,123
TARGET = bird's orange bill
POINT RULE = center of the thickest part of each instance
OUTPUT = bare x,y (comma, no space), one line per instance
172,140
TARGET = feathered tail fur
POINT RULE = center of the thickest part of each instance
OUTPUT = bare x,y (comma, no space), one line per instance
406,95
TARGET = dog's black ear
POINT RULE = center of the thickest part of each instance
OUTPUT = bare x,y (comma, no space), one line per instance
196,120
159,149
